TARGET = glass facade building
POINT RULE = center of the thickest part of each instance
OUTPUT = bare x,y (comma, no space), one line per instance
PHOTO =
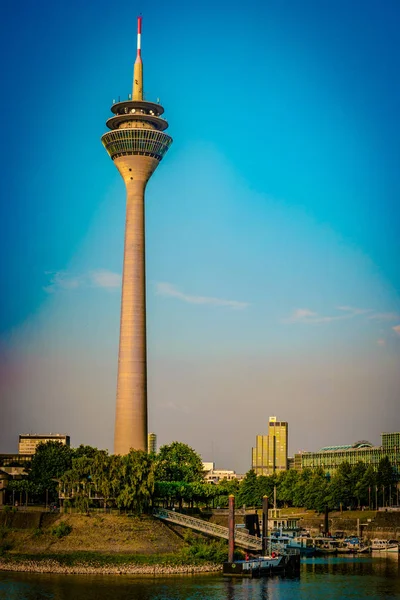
330,457
270,452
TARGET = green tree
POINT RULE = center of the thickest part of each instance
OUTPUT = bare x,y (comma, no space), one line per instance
88,451
249,493
223,490
342,486
317,492
299,491
76,482
365,487
137,481
286,486
385,479
357,474
50,461
266,485
105,474
178,462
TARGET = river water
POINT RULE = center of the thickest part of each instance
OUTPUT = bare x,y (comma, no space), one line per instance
334,578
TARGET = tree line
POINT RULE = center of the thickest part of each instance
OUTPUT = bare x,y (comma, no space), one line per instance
87,477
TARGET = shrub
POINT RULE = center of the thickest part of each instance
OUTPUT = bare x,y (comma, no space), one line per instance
37,532
62,530
5,547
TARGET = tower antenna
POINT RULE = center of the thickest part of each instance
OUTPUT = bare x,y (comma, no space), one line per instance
137,92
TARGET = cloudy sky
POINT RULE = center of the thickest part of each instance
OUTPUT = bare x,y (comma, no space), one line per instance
272,225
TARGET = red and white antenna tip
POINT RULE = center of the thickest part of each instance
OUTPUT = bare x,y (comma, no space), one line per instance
139,35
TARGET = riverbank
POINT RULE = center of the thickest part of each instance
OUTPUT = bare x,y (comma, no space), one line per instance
104,544
55,567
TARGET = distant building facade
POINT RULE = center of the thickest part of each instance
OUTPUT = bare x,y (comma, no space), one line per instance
151,443
28,442
213,475
270,454
330,457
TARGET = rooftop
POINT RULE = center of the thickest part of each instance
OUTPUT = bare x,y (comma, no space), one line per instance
355,446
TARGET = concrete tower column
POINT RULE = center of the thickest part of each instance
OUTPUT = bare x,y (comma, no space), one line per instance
131,408
136,144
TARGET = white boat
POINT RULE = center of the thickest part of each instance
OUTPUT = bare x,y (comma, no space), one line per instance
304,544
384,546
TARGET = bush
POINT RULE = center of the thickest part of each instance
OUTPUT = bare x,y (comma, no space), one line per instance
199,551
62,530
37,532
5,547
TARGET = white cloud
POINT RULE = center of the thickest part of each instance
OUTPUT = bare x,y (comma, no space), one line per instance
304,315
105,279
169,290
396,328
62,280
354,310
388,316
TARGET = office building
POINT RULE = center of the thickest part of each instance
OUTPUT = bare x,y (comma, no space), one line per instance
136,144
270,454
330,457
28,442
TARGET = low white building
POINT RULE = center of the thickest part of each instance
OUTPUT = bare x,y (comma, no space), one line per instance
213,475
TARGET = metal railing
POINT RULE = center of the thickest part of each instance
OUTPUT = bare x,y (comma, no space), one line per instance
242,539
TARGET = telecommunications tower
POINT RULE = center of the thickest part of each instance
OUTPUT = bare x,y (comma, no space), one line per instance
136,144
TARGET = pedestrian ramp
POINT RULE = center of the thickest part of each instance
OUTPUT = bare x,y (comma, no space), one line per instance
242,539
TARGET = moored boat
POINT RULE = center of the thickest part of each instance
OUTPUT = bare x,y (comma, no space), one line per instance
325,545
262,566
378,545
304,544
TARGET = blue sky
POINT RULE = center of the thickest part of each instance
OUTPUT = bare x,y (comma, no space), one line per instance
272,223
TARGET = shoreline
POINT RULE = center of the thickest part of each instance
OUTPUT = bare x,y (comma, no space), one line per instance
51,566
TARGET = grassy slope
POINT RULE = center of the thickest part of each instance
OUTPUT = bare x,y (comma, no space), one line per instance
98,533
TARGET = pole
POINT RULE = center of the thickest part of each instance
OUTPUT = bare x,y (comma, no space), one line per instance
326,521
376,497
231,528
383,496
265,525
369,497
275,498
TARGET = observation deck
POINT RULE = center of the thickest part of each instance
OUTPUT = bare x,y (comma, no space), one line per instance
136,128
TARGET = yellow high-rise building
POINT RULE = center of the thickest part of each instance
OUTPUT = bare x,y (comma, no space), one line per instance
270,453
151,443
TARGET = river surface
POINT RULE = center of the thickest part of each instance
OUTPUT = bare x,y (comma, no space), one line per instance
334,578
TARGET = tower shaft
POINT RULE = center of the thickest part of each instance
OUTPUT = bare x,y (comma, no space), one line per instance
131,408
